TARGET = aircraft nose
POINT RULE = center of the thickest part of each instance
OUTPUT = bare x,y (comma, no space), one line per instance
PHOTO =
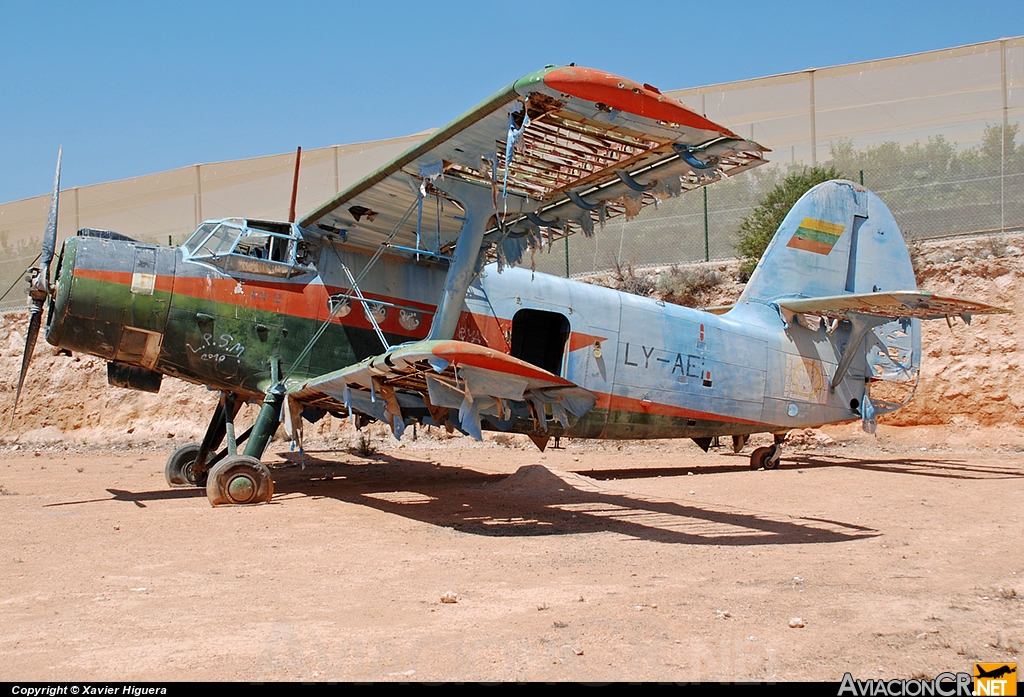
109,300
57,309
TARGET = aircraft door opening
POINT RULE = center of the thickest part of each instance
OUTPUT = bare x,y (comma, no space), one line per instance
539,337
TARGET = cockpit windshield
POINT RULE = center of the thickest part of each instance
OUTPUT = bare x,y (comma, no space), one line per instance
221,241
255,247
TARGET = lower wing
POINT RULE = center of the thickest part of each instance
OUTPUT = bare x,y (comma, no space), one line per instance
447,383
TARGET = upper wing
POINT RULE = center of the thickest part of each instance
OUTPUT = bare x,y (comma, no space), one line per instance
919,304
426,379
558,150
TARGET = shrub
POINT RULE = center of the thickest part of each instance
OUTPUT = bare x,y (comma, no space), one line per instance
688,286
758,228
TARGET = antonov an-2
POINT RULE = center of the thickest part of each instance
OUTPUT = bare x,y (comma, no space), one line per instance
400,299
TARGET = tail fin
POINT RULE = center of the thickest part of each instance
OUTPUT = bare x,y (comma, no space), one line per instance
839,238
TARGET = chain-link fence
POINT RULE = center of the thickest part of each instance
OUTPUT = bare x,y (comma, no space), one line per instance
937,135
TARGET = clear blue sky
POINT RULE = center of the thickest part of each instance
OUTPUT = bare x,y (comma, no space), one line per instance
131,88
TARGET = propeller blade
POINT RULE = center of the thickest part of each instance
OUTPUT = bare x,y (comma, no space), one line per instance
39,286
50,237
34,321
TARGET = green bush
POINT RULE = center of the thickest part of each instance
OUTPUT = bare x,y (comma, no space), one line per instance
688,286
758,228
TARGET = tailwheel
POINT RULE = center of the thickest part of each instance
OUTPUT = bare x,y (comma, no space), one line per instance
766,457
239,480
180,470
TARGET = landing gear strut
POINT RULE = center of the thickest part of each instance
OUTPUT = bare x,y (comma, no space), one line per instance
229,477
767,457
243,479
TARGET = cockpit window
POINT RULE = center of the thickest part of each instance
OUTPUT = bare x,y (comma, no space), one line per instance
263,245
220,242
256,247
199,236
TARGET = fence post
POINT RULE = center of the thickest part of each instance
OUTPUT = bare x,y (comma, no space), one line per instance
1002,139
567,254
199,197
707,245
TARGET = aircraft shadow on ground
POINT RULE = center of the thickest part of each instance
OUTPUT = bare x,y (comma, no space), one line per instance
138,498
536,501
943,468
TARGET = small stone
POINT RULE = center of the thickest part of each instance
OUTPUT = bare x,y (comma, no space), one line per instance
578,652
796,623
449,597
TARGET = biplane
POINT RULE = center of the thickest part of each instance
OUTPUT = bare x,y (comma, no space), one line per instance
404,299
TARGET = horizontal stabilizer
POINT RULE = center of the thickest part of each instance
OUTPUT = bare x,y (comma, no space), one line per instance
450,383
918,304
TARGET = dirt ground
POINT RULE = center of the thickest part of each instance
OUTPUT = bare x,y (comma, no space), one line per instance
890,556
654,562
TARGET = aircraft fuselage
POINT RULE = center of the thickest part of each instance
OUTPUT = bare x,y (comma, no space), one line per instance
659,370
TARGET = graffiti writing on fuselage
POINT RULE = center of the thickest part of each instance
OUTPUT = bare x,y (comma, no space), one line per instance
470,335
218,350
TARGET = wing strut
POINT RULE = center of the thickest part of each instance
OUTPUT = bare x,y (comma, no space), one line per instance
479,205
366,308
366,269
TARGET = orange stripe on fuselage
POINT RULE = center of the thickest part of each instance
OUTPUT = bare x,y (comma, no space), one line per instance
309,301
614,402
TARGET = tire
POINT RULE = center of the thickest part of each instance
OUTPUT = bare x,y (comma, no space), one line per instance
178,470
759,458
772,461
239,480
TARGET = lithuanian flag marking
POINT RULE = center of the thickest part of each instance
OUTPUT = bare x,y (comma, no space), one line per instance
818,236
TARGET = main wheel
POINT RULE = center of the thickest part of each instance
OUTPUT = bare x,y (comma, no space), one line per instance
239,480
179,470
767,457
759,457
